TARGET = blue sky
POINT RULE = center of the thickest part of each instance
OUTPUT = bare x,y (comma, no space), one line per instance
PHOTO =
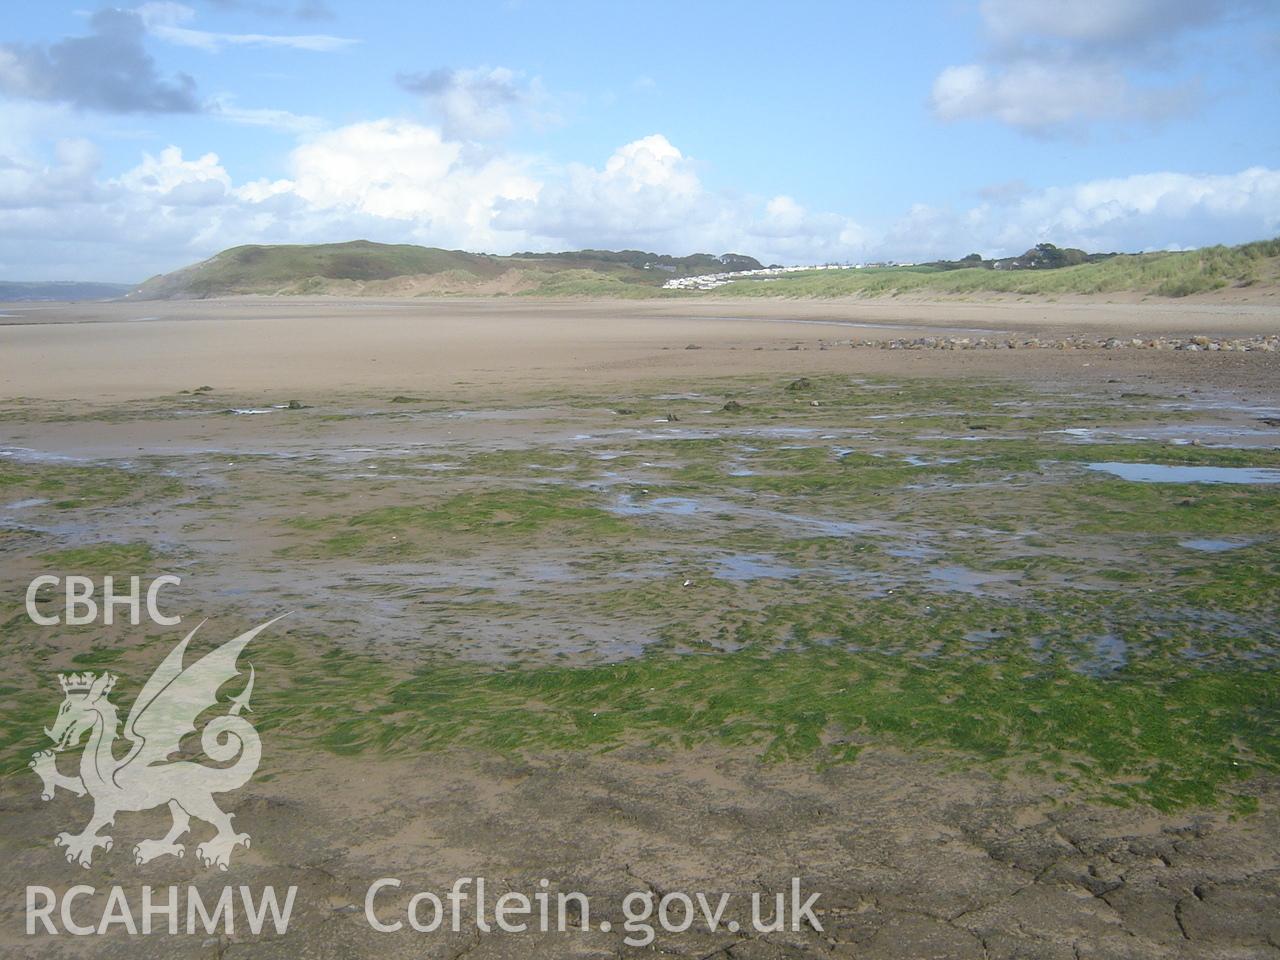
136,139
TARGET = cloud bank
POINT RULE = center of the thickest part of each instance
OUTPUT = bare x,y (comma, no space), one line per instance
399,180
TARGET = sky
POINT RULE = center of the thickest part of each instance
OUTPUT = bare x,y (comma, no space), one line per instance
137,139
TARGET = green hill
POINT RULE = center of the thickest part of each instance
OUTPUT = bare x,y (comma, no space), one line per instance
362,267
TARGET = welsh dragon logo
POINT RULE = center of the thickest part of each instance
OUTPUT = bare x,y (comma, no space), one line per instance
164,712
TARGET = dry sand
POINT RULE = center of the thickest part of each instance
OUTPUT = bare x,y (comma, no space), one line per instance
119,351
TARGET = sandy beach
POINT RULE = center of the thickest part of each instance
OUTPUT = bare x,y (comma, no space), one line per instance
121,351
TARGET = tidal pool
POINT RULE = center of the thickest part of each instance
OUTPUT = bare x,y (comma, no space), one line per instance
628,506
1167,473
1214,546
753,567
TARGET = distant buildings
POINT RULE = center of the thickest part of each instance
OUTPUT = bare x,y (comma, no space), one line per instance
709,281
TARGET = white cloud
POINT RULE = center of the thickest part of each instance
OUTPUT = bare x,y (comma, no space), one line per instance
1154,211
1040,97
225,108
1115,24
791,233
164,19
399,170
647,194
302,10
178,182
1054,68
1158,210
479,103
67,175
399,181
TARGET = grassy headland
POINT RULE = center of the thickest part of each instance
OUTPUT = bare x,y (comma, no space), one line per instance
362,268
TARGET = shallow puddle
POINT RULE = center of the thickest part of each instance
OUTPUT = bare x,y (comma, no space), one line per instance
966,580
629,506
25,504
1166,473
1182,434
1214,546
1110,653
982,638
753,567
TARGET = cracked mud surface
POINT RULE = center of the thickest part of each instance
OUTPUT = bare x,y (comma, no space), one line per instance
911,859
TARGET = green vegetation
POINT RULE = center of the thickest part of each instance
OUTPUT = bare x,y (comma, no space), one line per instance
920,564
1162,735
127,559
361,266
402,530
270,269
1157,274
1043,256
67,487
588,283
697,263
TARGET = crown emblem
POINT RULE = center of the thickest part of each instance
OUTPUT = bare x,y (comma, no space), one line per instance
81,682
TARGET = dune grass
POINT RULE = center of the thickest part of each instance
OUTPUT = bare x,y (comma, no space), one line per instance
1154,274
590,283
